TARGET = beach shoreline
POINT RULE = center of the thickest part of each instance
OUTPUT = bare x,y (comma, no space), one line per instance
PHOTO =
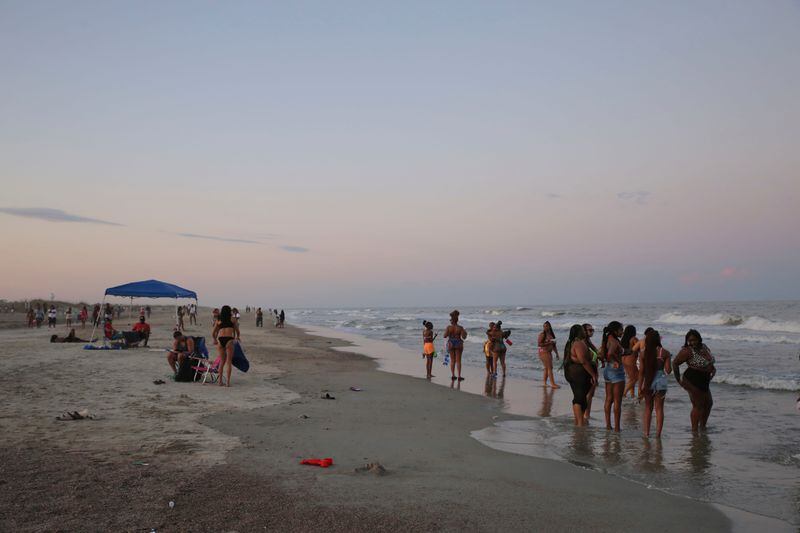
229,458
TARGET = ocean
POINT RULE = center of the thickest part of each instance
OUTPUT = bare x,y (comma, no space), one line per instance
749,458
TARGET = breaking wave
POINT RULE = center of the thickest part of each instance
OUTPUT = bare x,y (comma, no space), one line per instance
717,319
759,382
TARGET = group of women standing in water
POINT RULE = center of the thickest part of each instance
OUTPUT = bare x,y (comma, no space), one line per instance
627,362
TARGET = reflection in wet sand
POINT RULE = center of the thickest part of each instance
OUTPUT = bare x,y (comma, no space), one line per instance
651,457
547,403
494,390
699,454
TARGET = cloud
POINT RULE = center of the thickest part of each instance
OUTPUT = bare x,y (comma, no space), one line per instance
734,273
52,215
640,197
213,238
294,249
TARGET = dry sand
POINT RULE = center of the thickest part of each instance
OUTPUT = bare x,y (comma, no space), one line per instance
229,458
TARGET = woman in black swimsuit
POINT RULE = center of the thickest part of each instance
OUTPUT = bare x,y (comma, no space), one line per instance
226,331
629,358
579,372
697,377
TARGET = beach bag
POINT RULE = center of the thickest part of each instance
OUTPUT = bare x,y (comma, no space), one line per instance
239,360
185,371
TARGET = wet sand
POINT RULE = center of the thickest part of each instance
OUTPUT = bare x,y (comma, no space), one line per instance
229,458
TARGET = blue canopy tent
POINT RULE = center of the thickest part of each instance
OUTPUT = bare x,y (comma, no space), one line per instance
151,288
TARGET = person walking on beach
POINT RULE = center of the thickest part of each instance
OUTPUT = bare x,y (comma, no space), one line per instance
96,315
282,318
455,335
593,357
578,372
52,316
30,315
547,345
259,318
39,315
697,378
277,318
614,372
147,310
68,317
226,332
179,314
655,367
629,342
214,317
83,316
428,349
192,314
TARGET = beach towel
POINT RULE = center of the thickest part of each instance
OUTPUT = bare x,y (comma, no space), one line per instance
111,347
239,360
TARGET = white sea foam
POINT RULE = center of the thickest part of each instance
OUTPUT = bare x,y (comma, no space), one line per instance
552,313
717,319
756,323
759,382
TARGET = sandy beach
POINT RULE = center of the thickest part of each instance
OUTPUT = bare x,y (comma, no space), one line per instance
228,458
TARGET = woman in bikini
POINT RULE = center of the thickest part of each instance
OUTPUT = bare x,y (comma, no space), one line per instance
455,335
547,345
656,365
226,331
614,373
428,349
498,347
629,357
487,351
697,377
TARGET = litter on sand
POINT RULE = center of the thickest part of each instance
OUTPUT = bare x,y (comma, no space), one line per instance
372,468
355,389
327,396
83,414
323,463
159,382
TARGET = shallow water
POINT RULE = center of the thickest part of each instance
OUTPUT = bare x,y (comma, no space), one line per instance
749,458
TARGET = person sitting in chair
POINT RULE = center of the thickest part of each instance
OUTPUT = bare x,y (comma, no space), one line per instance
182,347
143,329
109,331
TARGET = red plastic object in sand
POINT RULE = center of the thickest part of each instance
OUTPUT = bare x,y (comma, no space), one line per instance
324,463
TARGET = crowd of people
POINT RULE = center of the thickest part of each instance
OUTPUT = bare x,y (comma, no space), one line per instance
627,363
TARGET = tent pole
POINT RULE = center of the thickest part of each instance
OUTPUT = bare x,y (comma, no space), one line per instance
94,326
130,306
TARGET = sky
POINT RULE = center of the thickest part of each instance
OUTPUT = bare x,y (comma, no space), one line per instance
325,154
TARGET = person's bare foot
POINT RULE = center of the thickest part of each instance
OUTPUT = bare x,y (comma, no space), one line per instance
555,386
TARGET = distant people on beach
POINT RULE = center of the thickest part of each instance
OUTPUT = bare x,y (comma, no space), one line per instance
52,316
68,317
281,319
179,313
236,315
214,317
225,333
656,365
614,373
277,318
259,318
428,349
547,345
630,344
579,372
697,377
148,311
30,316
192,314
487,350
83,316
455,335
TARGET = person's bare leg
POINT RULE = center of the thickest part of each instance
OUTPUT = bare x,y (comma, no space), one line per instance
222,353
429,366
607,403
495,357
552,375
452,365
618,390
630,379
503,363
229,363
708,403
648,413
659,414
171,360
578,414
589,398
458,352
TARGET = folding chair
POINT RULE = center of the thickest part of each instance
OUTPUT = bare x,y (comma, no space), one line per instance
202,364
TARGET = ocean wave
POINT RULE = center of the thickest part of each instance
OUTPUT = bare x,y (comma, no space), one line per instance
756,323
494,312
737,337
523,308
716,319
547,314
759,382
